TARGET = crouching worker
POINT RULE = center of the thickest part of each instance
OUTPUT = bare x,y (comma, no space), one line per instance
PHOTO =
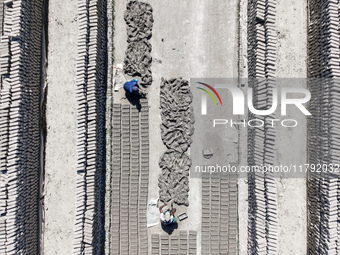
166,215
132,87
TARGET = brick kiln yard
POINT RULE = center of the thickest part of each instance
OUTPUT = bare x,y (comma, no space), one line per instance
199,39
80,161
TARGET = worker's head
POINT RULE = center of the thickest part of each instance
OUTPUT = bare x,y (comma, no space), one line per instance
167,216
135,90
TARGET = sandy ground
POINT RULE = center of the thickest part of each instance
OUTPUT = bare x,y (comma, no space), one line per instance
292,144
61,151
243,136
190,39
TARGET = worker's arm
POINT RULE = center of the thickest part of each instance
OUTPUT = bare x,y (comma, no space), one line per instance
160,208
141,91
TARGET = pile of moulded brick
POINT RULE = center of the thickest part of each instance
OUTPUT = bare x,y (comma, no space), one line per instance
323,126
20,70
91,72
262,228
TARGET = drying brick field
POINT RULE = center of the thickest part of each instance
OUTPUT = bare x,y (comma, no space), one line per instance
81,160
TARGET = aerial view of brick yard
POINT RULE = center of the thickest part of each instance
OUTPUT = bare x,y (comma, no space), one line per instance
170,127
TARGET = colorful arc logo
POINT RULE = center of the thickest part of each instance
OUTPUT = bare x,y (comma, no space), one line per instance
209,93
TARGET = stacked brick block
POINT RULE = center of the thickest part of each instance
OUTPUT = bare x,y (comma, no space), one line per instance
323,126
91,88
262,229
20,88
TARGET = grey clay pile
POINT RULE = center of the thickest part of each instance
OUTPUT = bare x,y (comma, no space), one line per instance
262,198
139,21
176,130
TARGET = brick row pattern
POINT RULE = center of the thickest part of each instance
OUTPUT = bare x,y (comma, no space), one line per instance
323,126
219,215
20,89
262,229
130,179
183,244
91,83
116,177
144,176
125,181
139,20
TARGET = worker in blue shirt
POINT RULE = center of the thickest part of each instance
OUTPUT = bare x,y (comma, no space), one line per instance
132,87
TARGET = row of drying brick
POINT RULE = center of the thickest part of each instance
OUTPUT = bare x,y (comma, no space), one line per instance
323,131
20,70
219,215
183,244
130,177
91,88
262,43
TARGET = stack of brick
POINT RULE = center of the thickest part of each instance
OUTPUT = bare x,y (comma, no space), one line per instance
323,126
20,70
262,41
91,88
176,130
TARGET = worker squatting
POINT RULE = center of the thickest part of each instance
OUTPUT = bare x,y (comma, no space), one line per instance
287,123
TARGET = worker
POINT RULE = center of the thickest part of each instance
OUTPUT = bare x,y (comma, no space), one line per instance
132,87
167,216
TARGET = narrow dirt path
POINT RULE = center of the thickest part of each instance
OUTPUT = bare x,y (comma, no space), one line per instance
61,150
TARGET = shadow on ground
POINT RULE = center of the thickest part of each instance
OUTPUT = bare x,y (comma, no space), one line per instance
170,228
134,100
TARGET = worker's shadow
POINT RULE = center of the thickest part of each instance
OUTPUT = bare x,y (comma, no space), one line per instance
170,228
134,100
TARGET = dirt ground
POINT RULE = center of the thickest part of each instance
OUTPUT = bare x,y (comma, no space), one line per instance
61,150
291,63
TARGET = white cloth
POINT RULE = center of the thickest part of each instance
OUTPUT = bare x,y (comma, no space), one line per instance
118,77
152,214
